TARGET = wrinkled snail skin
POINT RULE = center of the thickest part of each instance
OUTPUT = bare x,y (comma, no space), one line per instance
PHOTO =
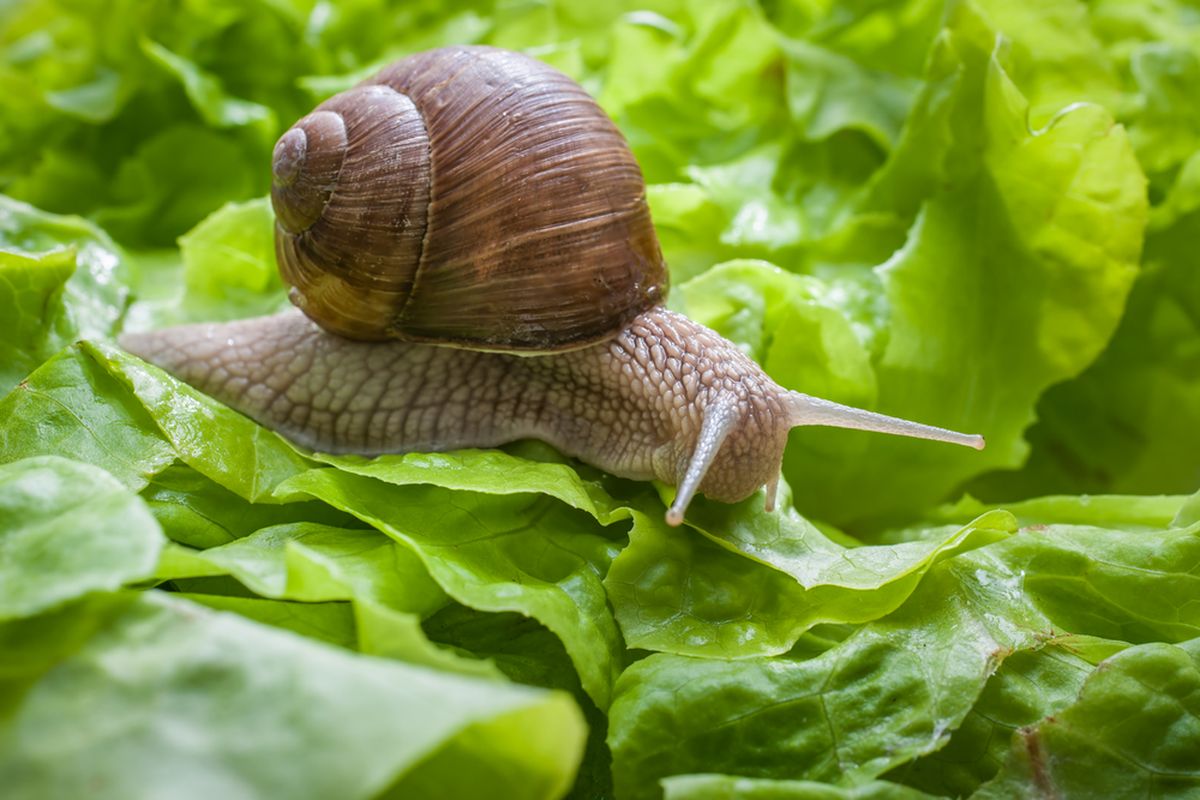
633,406
470,232
666,399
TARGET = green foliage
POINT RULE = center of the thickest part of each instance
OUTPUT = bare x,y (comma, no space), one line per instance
204,700
973,213
67,529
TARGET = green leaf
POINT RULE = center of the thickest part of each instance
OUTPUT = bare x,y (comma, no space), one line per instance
1189,513
1125,512
486,471
1127,586
1028,687
250,460
205,700
1131,422
1034,233
332,623
67,529
198,512
174,180
528,653
1134,730
730,787
60,278
524,553
72,407
890,692
387,586
229,266
135,420
763,580
1056,58
895,689
317,563
32,329
829,92
206,93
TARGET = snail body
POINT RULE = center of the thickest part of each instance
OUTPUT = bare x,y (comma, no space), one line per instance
470,201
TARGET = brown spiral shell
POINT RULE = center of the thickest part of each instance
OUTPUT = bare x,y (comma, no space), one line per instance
469,196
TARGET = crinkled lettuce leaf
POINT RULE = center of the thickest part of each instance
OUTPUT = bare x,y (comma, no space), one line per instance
1133,729
1128,424
526,553
387,589
730,787
60,278
182,699
1013,276
1028,687
895,689
67,529
757,581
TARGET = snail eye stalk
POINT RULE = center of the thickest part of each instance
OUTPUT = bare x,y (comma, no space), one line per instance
719,419
807,410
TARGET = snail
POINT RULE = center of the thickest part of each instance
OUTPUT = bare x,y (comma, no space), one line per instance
469,247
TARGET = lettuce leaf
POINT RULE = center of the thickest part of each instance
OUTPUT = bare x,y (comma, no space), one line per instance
1128,424
762,580
524,553
67,529
1028,687
896,688
730,787
1012,278
60,278
1135,725
209,701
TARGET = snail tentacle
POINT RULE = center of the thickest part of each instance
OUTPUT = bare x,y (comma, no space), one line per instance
720,417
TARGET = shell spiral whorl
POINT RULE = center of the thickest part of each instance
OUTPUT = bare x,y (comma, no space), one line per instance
469,196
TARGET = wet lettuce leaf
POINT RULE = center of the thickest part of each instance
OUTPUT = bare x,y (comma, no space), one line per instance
762,580
896,688
526,553
1028,687
1135,726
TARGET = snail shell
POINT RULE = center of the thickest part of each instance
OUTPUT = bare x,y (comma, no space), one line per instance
469,196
